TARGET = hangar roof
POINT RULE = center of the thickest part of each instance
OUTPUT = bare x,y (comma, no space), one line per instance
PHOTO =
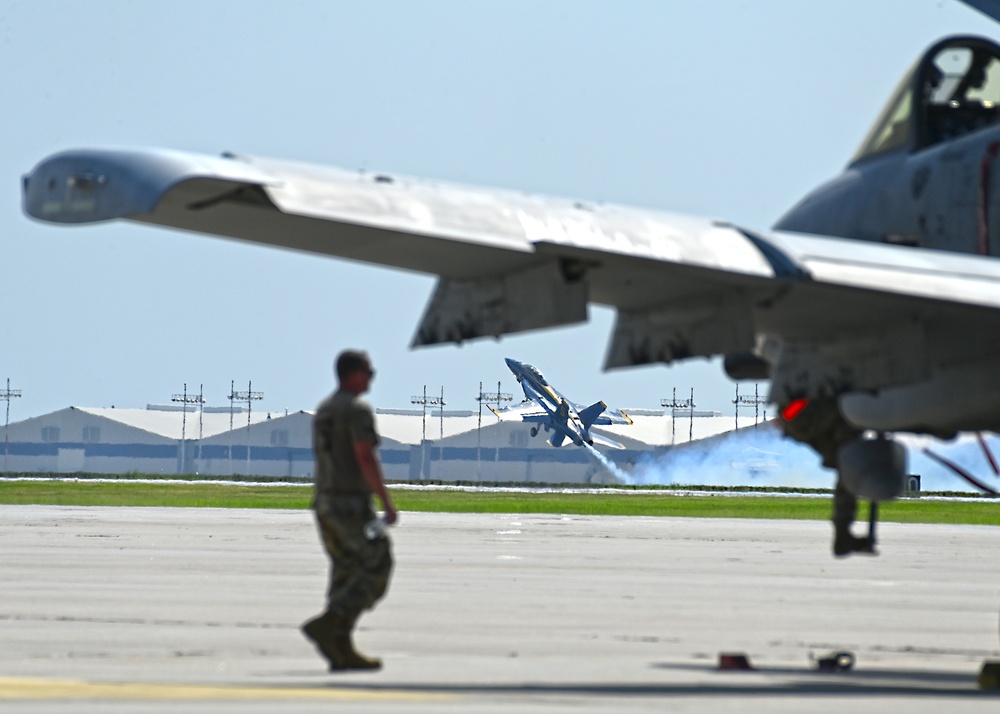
407,425
171,423
402,426
656,430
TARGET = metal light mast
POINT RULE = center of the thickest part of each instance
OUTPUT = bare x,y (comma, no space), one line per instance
755,401
479,435
184,399
441,413
691,422
7,394
673,404
249,396
498,398
424,401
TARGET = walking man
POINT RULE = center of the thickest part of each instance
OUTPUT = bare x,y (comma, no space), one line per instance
348,473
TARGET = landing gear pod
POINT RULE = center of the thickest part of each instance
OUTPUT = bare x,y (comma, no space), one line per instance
874,469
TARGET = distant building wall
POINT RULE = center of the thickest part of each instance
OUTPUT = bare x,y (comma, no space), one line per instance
566,464
111,441
70,440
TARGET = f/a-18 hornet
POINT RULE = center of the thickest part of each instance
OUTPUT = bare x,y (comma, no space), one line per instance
547,409
873,305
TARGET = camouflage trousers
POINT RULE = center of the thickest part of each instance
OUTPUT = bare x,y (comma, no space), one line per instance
359,566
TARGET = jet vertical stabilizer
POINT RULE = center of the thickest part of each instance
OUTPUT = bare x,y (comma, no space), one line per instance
589,415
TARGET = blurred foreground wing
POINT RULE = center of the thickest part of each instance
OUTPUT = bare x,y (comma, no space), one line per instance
826,314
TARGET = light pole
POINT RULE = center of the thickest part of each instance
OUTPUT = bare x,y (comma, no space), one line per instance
424,401
673,405
184,399
7,394
490,398
755,401
249,396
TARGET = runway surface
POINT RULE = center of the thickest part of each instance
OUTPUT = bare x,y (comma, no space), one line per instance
151,610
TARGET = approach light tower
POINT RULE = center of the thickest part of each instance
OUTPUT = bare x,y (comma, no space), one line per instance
249,396
673,405
424,401
490,398
7,394
755,401
185,399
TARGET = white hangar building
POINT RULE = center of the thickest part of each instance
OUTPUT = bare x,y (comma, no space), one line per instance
415,446
159,440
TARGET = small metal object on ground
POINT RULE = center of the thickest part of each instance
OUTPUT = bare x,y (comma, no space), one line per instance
989,675
734,661
834,662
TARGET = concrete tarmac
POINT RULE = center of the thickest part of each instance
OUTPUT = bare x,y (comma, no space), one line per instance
155,609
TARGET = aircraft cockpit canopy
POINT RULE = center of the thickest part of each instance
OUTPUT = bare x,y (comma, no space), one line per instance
953,90
534,371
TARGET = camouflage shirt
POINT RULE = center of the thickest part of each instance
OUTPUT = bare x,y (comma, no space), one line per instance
340,421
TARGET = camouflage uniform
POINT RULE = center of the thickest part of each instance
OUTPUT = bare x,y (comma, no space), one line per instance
360,566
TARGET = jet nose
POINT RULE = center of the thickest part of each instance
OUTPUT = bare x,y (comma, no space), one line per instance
512,364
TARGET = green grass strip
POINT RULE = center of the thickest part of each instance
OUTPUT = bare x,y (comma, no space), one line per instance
649,503
176,494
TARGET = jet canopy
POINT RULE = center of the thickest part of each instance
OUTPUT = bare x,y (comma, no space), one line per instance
954,89
536,373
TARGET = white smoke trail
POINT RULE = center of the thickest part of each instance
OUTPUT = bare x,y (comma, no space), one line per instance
765,457
749,457
609,465
964,450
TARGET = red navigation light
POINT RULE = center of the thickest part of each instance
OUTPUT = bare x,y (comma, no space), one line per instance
793,409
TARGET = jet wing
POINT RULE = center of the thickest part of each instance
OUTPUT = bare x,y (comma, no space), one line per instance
990,8
608,417
483,243
827,315
527,410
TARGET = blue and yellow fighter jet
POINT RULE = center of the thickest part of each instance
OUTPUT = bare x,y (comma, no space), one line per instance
551,411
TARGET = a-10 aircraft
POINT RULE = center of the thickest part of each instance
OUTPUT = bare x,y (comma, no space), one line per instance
547,409
873,306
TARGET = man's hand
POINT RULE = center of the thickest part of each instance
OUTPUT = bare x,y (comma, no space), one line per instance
371,469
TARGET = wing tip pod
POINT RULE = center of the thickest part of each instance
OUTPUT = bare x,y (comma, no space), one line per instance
94,185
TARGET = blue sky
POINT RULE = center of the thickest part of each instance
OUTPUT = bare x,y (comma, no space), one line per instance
728,109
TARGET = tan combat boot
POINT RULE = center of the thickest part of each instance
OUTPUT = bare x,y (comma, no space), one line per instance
346,657
321,631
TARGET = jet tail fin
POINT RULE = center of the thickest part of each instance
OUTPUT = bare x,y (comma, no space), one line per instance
589,415
557,439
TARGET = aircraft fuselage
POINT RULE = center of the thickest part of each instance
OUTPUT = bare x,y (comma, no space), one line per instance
564,417
927,175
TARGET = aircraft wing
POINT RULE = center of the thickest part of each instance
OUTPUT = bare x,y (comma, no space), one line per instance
527,410
498,253
828,315
990,8
609,416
